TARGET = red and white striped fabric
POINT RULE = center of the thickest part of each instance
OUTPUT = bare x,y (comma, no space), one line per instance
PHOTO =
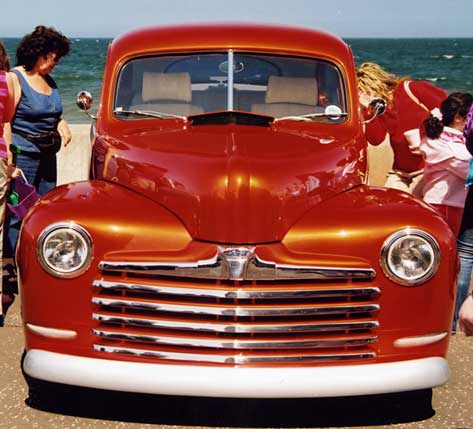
3,99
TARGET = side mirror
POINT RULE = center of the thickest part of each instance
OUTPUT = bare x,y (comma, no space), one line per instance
84,101
377,107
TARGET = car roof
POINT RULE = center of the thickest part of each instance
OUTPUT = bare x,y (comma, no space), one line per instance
240,37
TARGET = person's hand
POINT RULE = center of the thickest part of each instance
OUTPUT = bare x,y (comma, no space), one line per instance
13,172
65,132
465,317
365,99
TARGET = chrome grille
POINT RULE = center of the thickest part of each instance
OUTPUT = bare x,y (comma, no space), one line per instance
245,322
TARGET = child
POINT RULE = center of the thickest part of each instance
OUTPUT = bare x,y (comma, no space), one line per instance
446,158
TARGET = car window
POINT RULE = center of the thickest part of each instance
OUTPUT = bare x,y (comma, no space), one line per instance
183,85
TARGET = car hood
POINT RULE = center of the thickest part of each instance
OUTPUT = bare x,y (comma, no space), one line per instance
234,184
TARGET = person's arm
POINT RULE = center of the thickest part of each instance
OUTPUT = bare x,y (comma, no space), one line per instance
14,94
375,131
12,171
458,167
10,103
64,131
465,317
8,139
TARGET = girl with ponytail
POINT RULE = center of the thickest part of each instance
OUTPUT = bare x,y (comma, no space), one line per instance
446,158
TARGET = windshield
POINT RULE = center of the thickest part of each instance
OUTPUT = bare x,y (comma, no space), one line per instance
183,85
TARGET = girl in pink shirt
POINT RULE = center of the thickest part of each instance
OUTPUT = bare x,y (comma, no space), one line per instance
446,158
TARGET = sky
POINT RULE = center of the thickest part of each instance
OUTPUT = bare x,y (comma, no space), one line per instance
344,18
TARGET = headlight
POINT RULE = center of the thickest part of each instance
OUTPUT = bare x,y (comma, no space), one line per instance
65,249
410,257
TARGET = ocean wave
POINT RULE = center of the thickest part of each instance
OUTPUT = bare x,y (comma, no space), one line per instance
446,56
435,79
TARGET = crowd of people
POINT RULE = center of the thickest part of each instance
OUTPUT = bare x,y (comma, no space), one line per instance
430,132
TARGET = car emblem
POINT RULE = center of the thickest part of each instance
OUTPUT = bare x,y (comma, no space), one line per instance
237,259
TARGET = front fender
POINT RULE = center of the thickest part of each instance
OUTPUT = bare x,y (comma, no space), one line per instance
116,218
357,223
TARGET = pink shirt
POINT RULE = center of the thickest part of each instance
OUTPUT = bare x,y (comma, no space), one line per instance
3,99
446,165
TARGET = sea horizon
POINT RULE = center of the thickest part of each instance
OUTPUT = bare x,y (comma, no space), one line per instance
444,61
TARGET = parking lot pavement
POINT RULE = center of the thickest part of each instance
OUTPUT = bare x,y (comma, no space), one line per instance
451,406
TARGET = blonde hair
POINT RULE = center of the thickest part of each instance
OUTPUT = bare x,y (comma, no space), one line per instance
374,80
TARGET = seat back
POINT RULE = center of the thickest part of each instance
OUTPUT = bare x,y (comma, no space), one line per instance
167,93
287,96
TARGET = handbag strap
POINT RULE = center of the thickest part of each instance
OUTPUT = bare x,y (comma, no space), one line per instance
23,176
413,97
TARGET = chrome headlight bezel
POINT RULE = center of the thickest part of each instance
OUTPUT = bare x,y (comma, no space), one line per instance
406,234
74,229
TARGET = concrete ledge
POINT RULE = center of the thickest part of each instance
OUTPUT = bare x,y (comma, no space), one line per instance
73,161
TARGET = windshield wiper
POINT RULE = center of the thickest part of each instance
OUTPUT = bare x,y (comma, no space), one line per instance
312,116
147,113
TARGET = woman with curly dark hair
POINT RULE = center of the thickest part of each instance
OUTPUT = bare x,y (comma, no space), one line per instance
37,128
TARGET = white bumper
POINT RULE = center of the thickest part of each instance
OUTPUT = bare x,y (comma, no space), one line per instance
237,382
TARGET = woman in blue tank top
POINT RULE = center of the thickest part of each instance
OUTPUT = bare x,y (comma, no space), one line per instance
37,127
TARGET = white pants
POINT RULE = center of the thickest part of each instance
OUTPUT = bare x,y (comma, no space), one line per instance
412,183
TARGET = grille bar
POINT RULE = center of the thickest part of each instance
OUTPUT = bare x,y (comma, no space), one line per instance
237,310
238,328
280,293
255,268
238,344
239,359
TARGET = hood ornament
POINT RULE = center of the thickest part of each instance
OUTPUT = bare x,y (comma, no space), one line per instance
236,259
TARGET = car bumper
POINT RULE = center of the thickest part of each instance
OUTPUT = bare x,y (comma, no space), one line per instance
237,382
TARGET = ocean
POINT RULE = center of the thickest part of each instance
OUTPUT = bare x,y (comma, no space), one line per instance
448,63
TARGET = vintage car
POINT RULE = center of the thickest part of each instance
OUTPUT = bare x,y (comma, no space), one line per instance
227,243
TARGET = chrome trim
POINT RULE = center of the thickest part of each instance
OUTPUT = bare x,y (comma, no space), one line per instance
240,293
421,340
61,334
239,328
208,268
218,267
64,225
259,269
233,359
236,258
406,232
242,311
237,344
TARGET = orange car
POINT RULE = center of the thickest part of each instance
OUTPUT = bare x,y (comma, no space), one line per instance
227,243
